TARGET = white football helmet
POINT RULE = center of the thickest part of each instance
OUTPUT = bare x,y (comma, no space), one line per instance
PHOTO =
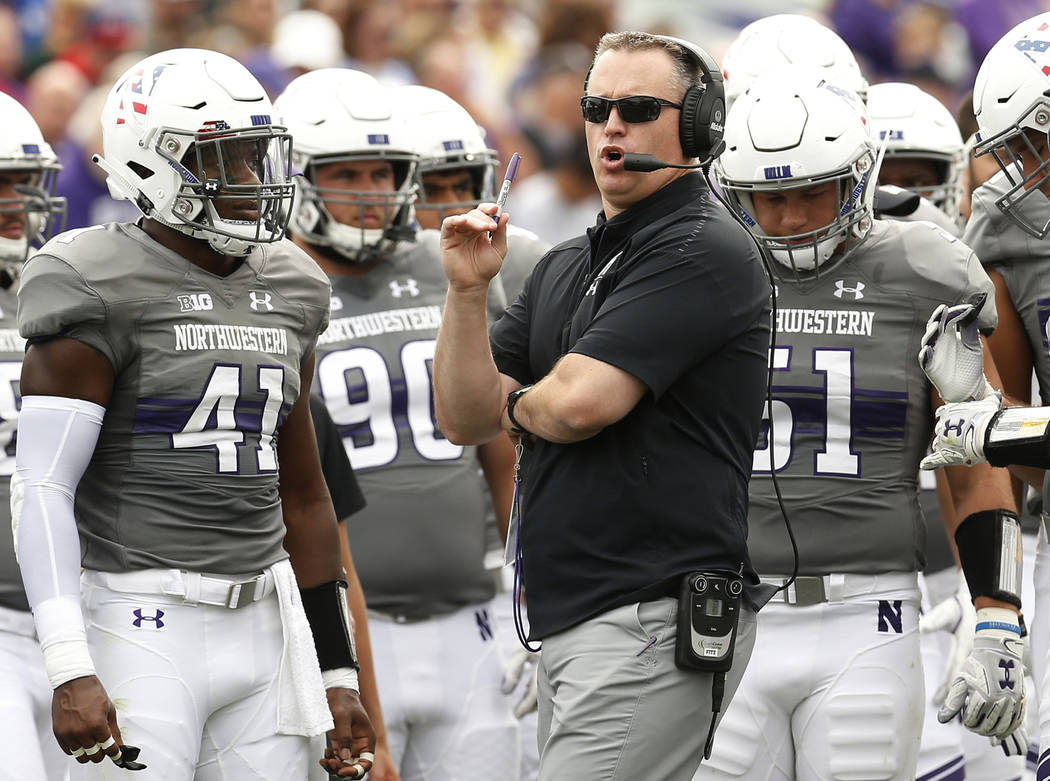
188,133
793,129
337,115
24,154
447,139
772,42
1011,97
914,124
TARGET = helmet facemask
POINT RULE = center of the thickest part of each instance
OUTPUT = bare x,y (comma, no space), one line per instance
946,194
1024,202
482,171
807,255
35,206
245,171
356,243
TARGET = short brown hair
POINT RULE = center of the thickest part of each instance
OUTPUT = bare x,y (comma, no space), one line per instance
687,70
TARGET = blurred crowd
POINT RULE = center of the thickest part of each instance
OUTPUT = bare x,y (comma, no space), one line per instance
516,65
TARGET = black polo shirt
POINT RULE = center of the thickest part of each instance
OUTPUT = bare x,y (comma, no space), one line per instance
672,291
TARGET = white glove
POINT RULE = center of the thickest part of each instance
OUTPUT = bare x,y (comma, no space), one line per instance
989,690
959,432
1016,743
951,355
958,616
522,664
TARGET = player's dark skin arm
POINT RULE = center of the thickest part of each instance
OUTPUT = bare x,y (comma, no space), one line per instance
81,711
1012,352
313,545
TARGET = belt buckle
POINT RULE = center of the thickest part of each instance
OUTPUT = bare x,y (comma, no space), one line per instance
808,590
243,592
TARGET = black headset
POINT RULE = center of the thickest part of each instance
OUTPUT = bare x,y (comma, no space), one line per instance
703,115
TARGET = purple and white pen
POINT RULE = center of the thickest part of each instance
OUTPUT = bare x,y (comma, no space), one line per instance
504,191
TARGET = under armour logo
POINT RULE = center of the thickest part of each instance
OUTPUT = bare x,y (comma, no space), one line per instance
260,300
841,289
411,287
1006,682
139,618
956,427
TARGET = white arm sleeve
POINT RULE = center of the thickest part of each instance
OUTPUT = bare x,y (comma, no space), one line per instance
56,438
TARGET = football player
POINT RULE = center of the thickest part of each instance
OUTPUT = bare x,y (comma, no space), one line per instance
165,390
29,212
420,541
456,171
774,41
783,40
925,154
845,439
1008,228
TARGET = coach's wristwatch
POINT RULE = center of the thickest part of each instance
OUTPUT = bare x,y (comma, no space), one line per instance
512,399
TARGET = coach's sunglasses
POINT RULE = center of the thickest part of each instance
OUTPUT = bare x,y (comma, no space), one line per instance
633,109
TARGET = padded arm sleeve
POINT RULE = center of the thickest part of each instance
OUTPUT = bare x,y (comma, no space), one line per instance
56,438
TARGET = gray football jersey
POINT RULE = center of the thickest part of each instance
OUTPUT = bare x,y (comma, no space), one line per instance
1023,261
12,347
419,543
184,474
938,553
851,409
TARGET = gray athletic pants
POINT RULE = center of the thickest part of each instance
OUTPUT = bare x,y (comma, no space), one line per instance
612,704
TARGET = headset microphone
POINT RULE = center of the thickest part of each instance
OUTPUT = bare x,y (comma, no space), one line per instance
648,163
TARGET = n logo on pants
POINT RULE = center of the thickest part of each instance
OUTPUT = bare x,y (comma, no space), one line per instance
890,616
484,624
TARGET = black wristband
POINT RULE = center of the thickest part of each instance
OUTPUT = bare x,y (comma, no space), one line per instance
989,545
326,610
512,400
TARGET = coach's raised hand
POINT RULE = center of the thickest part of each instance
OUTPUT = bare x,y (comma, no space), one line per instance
473,247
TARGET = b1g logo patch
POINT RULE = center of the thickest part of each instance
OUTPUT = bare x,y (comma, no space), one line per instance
195,302
141,618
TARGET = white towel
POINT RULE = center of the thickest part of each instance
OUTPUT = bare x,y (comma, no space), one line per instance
302,703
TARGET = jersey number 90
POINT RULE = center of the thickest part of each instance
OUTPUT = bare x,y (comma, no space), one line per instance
370,404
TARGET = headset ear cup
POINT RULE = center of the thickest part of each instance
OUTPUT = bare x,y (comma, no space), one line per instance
700,126
710,120
689,123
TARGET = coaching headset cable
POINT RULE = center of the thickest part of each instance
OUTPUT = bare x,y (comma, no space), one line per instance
770,438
